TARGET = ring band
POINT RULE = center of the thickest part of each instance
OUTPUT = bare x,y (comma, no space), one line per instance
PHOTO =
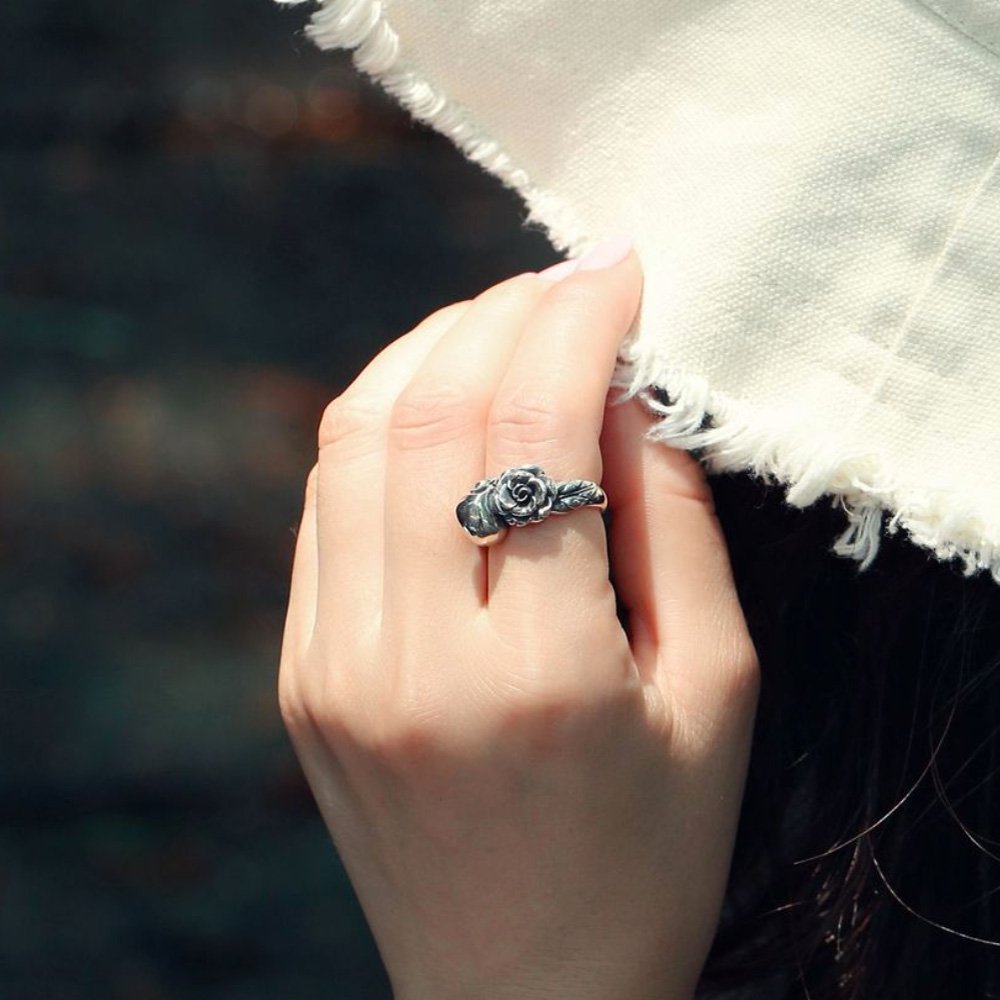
520,496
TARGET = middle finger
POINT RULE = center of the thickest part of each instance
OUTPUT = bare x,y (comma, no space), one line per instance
435,450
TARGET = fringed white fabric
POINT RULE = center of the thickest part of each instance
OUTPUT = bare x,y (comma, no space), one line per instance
362,25
814,190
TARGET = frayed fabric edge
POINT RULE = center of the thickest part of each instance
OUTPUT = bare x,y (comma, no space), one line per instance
725,434
362,25
729,435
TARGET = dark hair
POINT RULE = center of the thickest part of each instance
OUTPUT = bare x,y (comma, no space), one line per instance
872,795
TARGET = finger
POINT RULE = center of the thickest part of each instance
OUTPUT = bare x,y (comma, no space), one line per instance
548,412
351,479
436,450
301,616
670,563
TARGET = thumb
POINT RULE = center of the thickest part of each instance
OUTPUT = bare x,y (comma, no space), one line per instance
670,564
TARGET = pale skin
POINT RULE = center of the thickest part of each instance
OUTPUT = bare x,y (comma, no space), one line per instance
529,800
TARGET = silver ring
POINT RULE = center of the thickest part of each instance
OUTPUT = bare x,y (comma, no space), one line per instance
520,496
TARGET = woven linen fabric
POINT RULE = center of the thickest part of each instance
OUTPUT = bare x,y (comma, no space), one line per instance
813,189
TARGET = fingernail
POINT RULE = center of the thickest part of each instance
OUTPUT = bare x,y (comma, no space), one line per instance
559,271
606,254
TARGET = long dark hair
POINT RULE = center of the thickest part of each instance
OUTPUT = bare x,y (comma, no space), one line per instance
867,858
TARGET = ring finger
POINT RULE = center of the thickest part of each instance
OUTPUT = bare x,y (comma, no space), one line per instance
549,411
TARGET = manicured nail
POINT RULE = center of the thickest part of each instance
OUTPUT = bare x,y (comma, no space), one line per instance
606,254
559,271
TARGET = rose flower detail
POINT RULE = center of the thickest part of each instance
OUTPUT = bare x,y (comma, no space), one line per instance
521,496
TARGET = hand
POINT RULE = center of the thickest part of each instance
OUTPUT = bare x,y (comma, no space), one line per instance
528,800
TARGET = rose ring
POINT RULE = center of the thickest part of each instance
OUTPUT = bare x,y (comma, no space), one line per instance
520,496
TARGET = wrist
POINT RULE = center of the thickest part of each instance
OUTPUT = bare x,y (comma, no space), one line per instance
578,984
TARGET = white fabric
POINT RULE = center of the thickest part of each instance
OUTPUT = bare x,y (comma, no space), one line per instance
814,191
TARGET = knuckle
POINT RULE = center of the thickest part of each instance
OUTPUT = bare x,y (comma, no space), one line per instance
406,736
326,707
312,488
511,294
530,417
401,737
426,416
735,655
744,675
347,419
290,703
737,688
719,686
409,716
444,316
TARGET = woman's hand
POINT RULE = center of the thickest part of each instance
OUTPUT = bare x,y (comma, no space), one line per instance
529,801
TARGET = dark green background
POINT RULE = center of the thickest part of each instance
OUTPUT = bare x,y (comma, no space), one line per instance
207,227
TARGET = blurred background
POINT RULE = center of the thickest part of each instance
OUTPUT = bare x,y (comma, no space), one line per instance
207,228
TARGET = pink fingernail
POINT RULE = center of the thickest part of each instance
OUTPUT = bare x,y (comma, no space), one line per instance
606,254
559,271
